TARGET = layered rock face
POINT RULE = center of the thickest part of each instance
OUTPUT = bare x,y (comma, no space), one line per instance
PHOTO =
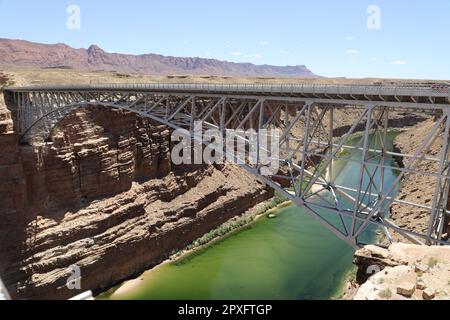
102,195
12,188
403,272
94,152
418,188
25,53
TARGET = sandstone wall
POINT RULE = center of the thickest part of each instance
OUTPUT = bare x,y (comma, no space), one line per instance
102,194
418,188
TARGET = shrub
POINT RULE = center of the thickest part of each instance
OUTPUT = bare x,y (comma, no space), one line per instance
385,294
238,223
432,262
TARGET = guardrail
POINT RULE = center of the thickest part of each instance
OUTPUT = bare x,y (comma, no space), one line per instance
415,90
407,90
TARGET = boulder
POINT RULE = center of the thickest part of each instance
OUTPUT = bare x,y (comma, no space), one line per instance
406,289
429,294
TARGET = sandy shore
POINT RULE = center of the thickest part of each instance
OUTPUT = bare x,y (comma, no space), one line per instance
131,286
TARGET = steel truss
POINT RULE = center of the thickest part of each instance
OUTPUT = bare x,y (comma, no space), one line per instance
309,147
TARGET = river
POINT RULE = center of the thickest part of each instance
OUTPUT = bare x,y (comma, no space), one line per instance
289,257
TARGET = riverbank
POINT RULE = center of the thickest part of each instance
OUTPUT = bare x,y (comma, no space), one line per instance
286,258
287,238
227,229
232,226
149,283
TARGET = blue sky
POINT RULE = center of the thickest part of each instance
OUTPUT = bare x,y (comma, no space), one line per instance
330,37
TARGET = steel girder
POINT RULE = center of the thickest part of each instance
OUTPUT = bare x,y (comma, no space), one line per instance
308,134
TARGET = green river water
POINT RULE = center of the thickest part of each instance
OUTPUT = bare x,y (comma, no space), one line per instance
290,257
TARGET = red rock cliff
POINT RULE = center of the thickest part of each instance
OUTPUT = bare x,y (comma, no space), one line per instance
102,194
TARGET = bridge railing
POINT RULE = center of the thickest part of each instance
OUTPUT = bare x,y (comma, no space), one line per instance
409,90
417,90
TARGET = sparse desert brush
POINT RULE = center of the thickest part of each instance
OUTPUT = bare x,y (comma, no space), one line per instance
385,294
432,262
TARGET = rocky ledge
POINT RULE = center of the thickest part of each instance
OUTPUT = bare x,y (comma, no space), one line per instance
403,272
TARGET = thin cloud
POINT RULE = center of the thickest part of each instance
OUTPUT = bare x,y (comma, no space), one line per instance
246,55
253,55
264,42
207,53
352,62
225,46
288,53
352,51
350,38
375,59
399,62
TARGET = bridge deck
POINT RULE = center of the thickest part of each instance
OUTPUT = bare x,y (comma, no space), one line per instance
438,95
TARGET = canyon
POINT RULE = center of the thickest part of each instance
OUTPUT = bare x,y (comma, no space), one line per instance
102,195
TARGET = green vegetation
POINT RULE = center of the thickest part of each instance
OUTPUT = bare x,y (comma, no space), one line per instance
345,153
385,294
107,294
229,228
381,281
350,277
267,261
219,233
221,267
432,262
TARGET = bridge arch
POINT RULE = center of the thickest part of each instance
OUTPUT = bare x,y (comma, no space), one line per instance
43,126
234,107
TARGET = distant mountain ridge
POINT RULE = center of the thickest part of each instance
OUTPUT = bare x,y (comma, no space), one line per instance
30,54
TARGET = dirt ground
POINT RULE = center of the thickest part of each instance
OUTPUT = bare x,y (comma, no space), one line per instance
35,76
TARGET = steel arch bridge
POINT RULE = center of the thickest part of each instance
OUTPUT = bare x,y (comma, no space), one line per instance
308,174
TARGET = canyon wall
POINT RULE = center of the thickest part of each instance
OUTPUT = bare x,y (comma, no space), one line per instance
407,272
418,188
102,195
